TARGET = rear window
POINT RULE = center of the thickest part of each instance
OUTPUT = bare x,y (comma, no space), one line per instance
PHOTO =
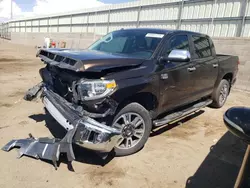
201,47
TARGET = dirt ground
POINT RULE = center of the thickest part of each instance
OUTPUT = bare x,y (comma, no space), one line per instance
196,152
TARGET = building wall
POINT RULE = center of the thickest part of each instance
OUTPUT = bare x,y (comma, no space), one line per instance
225,18
240,47
73,40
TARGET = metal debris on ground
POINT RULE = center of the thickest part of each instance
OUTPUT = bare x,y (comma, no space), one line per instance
44,148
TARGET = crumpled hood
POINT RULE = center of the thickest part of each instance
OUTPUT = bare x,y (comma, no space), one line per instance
86,60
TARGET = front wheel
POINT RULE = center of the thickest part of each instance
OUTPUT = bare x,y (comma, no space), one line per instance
135,124
220,94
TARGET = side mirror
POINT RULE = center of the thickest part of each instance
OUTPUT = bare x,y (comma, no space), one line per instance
178,56
237,120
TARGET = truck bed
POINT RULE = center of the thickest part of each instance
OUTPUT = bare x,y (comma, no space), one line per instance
228,63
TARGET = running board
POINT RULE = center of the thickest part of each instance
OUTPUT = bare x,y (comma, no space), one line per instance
180,114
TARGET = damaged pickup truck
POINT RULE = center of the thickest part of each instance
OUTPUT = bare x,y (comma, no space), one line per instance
111,95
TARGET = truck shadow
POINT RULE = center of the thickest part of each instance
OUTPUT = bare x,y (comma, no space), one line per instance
159,130
221,166
55,128
82,155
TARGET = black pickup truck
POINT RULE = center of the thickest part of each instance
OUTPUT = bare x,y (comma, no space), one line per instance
130,81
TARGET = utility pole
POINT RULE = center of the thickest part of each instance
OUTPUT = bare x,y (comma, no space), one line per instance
11,10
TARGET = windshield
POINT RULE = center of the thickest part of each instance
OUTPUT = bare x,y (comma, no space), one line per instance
139,44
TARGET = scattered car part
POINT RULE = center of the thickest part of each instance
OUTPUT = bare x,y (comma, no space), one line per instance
44,148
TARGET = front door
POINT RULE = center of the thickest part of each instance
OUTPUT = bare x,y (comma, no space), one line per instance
176,78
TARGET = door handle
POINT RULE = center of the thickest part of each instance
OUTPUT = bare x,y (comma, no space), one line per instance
191,69
215,65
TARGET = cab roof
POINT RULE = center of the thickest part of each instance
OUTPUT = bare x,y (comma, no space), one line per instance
161,31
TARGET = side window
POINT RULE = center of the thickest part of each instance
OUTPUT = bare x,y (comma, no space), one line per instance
201,47
211,45
179,42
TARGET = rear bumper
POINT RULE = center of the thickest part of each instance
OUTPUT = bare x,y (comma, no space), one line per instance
89,133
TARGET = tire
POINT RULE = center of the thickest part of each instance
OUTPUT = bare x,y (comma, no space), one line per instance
138,124
220,94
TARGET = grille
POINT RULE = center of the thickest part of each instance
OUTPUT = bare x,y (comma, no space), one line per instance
58,58
69,61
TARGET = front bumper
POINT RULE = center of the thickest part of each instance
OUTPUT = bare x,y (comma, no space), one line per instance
81,130
89,134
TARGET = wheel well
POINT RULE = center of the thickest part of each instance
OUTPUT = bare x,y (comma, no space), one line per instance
228,77
146,99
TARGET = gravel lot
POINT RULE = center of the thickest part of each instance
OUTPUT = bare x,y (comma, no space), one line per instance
196,152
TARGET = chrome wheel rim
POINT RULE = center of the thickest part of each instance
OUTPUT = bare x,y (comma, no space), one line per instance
132,127
223,94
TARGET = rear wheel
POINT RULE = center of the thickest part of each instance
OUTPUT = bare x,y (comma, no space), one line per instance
135,124
220,94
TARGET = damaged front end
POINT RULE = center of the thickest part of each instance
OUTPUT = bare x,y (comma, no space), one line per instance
81,130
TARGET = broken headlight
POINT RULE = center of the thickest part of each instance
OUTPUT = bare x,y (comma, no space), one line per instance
95,89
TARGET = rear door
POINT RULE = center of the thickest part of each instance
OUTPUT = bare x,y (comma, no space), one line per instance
176,78
206,65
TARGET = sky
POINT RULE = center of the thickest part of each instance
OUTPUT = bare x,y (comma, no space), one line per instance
27,8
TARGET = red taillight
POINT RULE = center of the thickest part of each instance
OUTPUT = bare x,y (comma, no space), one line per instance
238,62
